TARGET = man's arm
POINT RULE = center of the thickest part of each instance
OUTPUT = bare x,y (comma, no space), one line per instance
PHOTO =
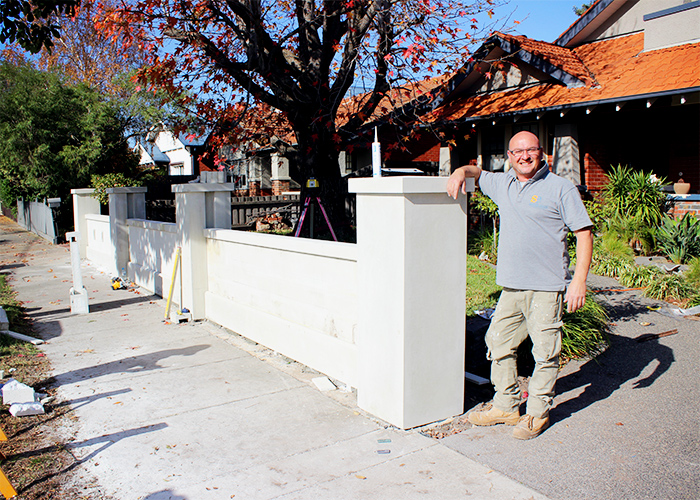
576,292
456,183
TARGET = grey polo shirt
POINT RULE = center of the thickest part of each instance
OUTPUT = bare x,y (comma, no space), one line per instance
535,219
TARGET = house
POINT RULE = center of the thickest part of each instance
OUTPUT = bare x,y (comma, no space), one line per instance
181,154
619,86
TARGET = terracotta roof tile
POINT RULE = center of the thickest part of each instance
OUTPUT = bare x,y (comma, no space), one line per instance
561,57
620,67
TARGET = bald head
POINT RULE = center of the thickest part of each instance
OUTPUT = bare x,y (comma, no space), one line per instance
526,137
525,154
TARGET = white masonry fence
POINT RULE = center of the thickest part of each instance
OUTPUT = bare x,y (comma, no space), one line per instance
385,316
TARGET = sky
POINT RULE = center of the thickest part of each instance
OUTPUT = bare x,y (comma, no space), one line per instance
540,19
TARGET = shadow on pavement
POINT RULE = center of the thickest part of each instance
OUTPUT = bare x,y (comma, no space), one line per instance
133,364
164,495
94,306
624,360
107,439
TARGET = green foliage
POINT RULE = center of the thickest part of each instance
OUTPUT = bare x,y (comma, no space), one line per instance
53,137
484,241
631,194
670,287
32,24
610,245
596,213
640,276
612,267
482,291
693,272
103,182
585,331
483,204
579,11
634,231
679,239
611,255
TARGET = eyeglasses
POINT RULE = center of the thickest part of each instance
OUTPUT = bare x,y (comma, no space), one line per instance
519,152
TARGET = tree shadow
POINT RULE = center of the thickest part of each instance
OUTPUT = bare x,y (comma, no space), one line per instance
106,440
132,364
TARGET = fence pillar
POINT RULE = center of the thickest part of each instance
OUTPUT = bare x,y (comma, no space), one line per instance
280,174
84,203
198,207
412,247
124,203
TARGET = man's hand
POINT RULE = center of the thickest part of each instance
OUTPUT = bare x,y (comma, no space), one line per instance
456,182
575,296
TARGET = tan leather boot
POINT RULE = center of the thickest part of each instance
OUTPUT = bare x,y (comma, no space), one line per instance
529,427
489,415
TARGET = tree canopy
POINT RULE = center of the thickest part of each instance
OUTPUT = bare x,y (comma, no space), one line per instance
53,136
294,62
33,24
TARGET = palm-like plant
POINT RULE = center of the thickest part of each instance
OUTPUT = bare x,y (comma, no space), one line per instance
679,239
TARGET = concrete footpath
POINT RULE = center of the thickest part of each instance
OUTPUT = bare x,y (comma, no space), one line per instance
191,411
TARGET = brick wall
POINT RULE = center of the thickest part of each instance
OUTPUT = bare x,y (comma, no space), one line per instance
254,188
681,208
279,187
595,176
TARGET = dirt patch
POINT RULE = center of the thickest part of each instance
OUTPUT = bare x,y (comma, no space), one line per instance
36,458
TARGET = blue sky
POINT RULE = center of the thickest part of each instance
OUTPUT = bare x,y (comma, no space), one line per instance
540,19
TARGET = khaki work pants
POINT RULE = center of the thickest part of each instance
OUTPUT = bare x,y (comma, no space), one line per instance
520,313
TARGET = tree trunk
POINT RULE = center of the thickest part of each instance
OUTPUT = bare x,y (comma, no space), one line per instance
317,158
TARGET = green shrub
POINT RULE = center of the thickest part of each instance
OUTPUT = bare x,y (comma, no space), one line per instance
670,287
679,240
486,241
640,276
610,245
585,332
612,267
634,194
693,272
102,182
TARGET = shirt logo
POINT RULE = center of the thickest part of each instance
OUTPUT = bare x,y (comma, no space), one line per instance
533,199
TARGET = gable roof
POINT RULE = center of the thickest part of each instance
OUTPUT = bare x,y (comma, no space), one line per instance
622,72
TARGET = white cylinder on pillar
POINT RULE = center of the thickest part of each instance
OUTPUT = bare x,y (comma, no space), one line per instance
412,246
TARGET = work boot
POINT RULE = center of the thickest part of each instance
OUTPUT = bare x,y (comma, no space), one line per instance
489,415
529,427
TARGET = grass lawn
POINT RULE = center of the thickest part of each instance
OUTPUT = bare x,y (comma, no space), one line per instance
482,291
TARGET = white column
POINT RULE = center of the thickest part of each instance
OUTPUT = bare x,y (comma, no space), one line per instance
124,203
84,203
412,247
198,207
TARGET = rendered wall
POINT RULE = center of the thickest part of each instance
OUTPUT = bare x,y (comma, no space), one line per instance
99,242
296,296
152,247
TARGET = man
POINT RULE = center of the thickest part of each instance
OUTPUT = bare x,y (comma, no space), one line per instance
537,209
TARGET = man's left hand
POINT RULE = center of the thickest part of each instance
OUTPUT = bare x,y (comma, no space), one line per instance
575,296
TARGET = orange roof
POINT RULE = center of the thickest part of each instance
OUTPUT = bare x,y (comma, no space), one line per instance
561,57
620,69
